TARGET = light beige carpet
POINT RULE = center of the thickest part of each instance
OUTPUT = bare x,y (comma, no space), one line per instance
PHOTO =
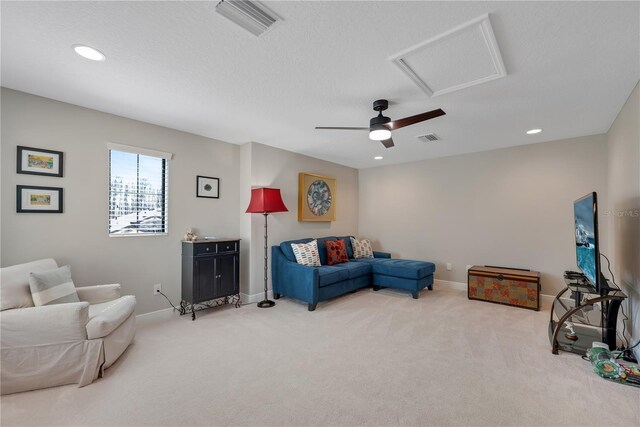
369,358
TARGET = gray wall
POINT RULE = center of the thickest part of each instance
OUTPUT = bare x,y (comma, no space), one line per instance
272,167
79,236
623,215
510,207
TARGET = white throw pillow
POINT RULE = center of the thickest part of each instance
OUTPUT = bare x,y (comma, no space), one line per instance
361,248
307,253
53,287
14,283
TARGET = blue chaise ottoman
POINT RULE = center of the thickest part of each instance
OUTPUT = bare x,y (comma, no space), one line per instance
404,274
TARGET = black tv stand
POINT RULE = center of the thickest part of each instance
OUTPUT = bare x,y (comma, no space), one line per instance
589,323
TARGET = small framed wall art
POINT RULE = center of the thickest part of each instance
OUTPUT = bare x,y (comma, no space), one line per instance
207,187
32,199
316,198
38,161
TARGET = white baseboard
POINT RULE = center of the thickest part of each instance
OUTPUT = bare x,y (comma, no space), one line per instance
545,300
247,298
154,316
447,284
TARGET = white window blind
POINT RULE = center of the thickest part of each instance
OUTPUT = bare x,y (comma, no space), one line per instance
138,191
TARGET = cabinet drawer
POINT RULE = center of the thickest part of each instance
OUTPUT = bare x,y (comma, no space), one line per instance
227,247
205,248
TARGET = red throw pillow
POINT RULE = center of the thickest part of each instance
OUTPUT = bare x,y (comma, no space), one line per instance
336,252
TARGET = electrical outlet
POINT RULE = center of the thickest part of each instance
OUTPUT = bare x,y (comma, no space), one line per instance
157,288
448,266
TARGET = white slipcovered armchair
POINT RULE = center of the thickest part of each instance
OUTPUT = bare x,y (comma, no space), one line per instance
58,344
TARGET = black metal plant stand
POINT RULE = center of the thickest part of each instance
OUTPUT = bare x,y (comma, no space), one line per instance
186,307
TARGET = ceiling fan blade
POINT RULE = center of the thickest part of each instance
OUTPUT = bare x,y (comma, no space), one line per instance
408,121
340,128
388,143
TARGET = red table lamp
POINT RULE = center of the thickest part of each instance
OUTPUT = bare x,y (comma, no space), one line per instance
266,201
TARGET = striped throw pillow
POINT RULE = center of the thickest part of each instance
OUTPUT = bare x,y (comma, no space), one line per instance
361,248
307,253
52,287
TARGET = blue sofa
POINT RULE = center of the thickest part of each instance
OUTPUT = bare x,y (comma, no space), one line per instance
314,284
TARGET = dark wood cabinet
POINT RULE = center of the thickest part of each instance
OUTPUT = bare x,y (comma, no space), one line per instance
210,271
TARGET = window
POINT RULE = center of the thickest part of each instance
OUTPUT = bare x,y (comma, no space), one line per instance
138,184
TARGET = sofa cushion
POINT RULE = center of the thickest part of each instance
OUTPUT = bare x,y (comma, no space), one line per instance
14,283
306,253
357,269
361,248
336,252
52,287
105,317
330,274
288,251
405,268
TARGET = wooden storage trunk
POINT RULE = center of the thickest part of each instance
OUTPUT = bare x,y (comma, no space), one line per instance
510,286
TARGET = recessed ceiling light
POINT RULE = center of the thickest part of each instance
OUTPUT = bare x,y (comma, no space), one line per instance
89,52
378,158
533,131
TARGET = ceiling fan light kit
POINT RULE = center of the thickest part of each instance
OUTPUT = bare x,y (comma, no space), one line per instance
379,133
377,129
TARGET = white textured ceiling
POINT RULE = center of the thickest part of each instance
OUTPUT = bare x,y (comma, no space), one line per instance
570,67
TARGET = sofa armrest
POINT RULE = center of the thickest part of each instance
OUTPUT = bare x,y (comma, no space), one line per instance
293,280
99,293
378,254
46,324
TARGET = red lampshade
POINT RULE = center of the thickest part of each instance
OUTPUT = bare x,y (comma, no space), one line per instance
266,200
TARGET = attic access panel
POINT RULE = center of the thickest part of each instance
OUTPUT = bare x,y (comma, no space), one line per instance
464,56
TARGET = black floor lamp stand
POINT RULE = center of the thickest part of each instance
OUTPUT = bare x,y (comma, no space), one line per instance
266,302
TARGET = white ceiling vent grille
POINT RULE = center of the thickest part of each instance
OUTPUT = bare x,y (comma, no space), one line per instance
464,56
429,137
250,15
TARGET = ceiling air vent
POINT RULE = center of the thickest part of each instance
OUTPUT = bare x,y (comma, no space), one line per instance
250,15
428,137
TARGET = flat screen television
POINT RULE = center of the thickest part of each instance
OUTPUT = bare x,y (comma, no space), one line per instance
585,212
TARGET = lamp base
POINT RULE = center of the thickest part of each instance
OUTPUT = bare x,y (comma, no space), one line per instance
266,303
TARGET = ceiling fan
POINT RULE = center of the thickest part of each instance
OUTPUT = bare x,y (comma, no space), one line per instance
380,127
